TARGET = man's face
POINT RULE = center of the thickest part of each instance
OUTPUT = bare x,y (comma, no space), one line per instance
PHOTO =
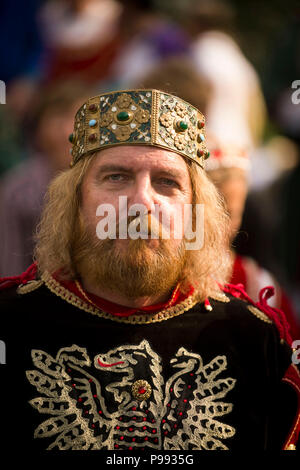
147,176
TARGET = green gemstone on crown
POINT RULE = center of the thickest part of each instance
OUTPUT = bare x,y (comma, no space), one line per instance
123,116
183,125
71,138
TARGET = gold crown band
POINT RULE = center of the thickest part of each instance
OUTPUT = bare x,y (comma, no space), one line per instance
139,117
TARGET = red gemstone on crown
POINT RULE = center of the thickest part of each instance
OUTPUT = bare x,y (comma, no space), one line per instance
92,137
93,108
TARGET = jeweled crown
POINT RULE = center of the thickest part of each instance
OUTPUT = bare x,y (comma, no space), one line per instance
139,117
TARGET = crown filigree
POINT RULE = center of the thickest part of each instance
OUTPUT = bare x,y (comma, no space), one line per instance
139,117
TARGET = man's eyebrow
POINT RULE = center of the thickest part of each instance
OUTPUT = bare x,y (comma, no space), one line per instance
110,167
170,172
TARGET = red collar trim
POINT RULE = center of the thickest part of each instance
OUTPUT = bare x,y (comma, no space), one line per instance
238,275
176,297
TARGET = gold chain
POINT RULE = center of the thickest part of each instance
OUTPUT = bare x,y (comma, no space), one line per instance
85,295
80,288
140,319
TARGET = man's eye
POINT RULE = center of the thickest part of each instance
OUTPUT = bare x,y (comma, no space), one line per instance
168,182
116,177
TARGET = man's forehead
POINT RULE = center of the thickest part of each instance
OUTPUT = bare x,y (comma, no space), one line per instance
136,158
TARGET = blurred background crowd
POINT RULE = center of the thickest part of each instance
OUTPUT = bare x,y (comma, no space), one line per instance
235,61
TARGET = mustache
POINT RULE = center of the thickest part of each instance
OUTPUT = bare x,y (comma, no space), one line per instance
145,226
148,224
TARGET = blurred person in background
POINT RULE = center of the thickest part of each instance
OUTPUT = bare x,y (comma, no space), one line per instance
147,39
178,75
12,149
229,168
49,123
271,217
236,110
81,38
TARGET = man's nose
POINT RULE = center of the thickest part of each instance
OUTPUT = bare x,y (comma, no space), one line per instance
143,193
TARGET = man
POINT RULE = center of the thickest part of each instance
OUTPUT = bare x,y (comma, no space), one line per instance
125,339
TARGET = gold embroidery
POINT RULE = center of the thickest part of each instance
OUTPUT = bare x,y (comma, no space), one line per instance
92,406
71,298
291,447
55,383
29,287
259,314
295,426
220,296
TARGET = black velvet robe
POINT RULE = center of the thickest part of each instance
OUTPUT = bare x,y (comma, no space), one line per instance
195,380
